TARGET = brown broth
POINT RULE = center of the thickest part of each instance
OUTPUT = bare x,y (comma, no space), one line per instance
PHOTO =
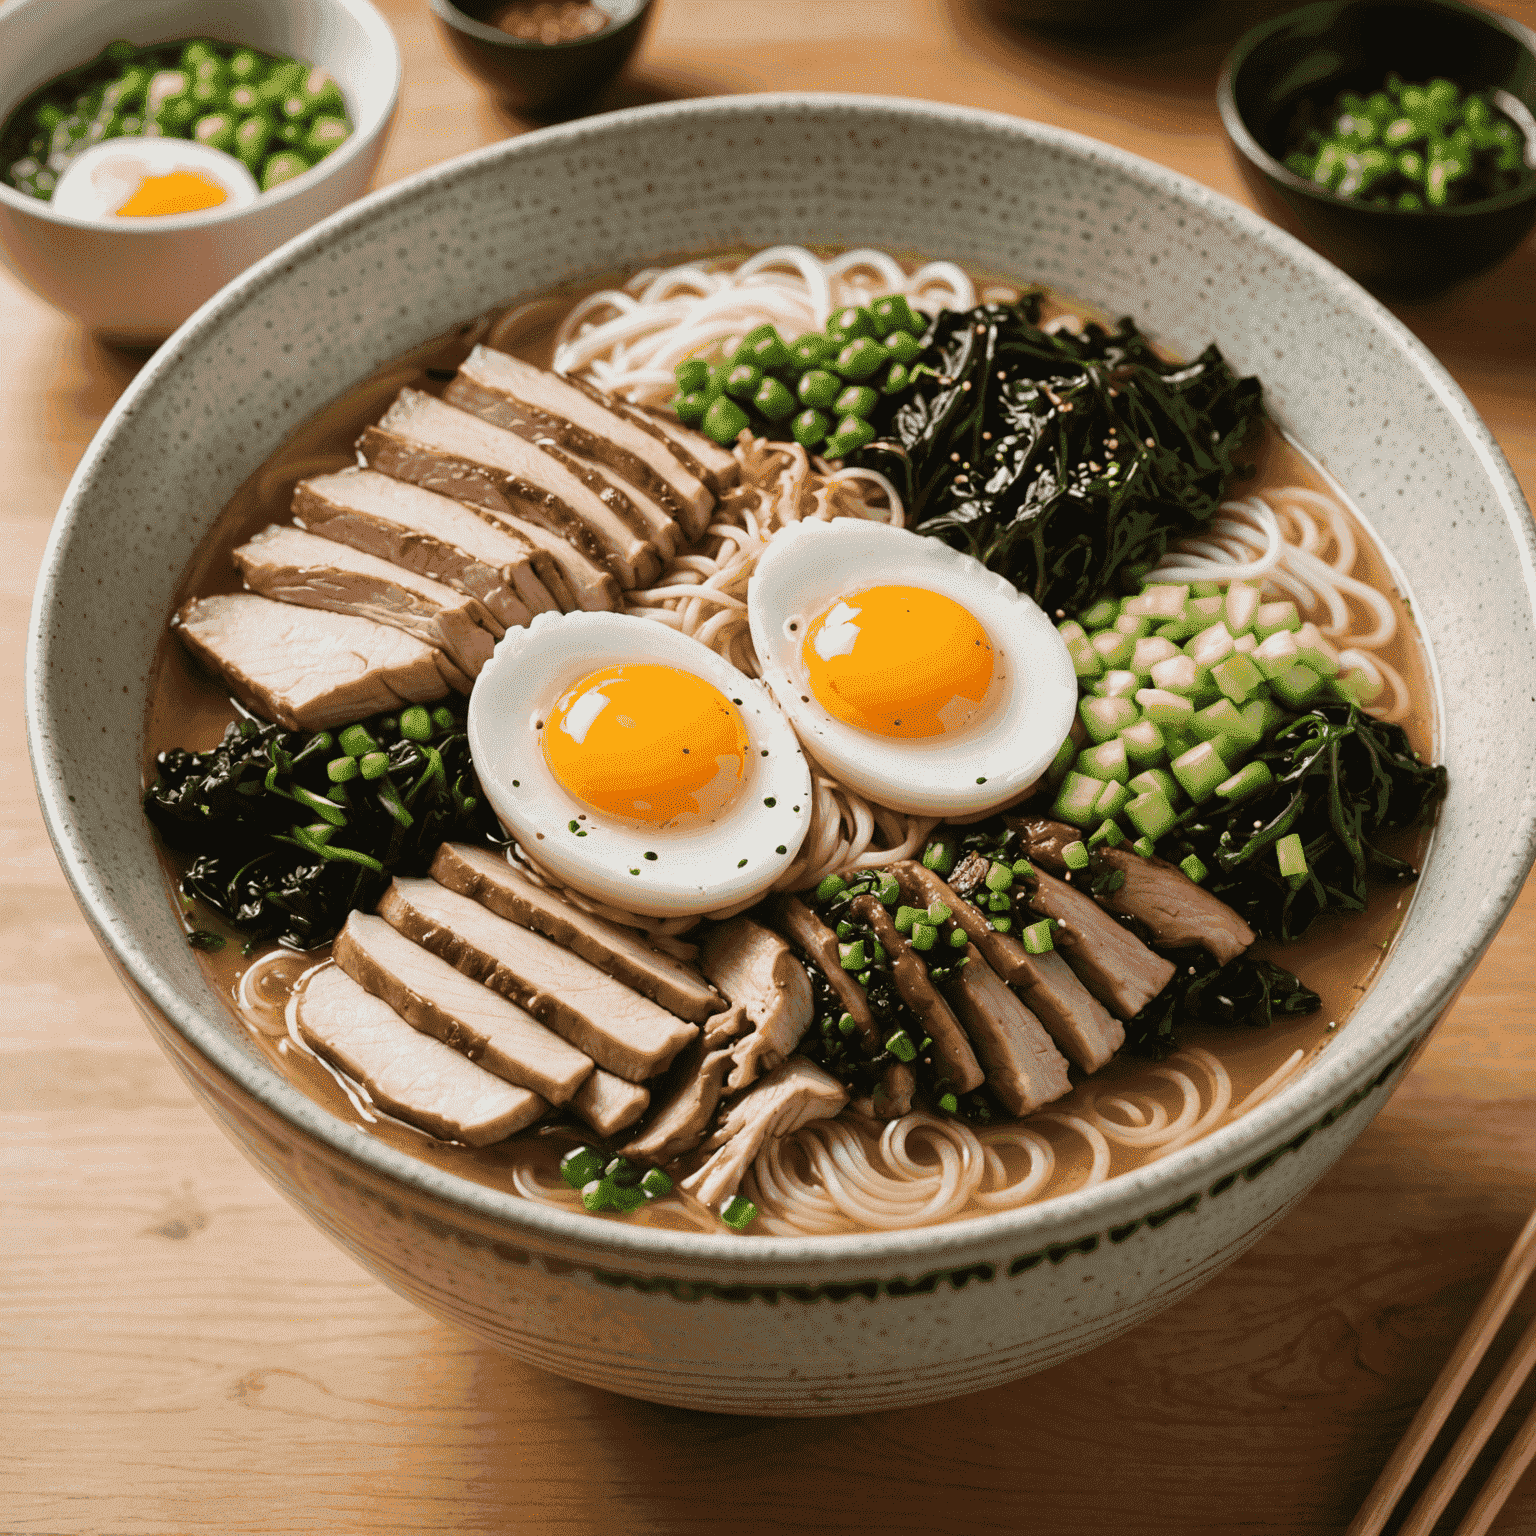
1339,958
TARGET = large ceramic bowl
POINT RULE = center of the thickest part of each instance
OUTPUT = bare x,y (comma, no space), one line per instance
136,280
757,1325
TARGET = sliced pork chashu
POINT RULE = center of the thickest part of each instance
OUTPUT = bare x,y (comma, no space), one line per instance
1024,1069
714,465
432,444
623,1032
777,1105
1171,907
758,971
487,878
609,1104
432,995
526,399
1110,960
434,537
892,1096
951,1050
307,669
1087,1033
409,1074
293,566
687,1097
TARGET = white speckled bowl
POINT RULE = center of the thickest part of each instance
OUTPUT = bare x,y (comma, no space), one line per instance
761,1325
136,280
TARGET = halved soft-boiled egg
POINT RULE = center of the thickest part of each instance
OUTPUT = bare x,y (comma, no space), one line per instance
636,765
147,178
911,671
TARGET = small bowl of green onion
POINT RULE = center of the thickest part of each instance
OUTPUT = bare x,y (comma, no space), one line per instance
1399,134
148,159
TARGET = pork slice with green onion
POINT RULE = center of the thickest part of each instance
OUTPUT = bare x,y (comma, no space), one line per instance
1087,1034
790,1096
487,878
434,537
307,669
1024,1069
522,397
953,1058
622,1031
409,1074
292,566
434,997
1168,904
1110,960
758,972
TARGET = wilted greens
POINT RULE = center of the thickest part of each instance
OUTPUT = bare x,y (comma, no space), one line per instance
288,831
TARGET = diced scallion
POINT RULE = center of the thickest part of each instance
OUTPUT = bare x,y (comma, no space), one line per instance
1194,868
924,935
1037,937
1292,857
1075,856
831,885
900,1046
738,1213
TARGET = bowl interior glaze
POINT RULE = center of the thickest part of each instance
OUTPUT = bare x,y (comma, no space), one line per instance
998,193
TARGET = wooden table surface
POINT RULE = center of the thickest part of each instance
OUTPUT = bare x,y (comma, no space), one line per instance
183,1354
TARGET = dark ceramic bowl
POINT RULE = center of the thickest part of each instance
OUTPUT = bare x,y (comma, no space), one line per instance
1312,54
540,79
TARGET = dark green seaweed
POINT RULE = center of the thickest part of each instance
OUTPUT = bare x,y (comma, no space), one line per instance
1342,779
245,814
1066,463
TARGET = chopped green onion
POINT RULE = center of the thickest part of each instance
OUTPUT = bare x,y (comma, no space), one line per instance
949,1104
958,938
1108,834
888,890
580,1166
998,901
923,935
1145,847
831,885
1075,856
1024,869
1001,924
356,742
340,769
939,856
906,917
1194,868
851,956
845,1024
1037,937
900,1046
655,1184
938,912
1292,857
416,723
999,878
738,1213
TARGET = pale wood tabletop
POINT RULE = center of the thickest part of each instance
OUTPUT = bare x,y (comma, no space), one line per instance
184,1354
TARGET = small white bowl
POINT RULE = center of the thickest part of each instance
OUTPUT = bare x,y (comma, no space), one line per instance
136,280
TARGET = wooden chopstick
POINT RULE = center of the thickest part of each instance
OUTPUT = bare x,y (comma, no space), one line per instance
1430,1419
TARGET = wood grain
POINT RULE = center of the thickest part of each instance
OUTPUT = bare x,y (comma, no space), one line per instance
184,1355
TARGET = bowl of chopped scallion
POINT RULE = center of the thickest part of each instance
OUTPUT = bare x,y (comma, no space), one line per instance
1399,134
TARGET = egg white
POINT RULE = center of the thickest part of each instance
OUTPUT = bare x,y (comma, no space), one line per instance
99,180
1029,709
698,865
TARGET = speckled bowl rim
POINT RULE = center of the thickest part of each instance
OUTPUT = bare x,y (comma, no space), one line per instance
364,134
1350,1063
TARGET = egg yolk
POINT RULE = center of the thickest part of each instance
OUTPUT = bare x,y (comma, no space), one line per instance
647,742
178,192
899,661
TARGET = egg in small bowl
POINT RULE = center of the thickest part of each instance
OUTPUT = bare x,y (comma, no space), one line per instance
910,671
131,178
637,766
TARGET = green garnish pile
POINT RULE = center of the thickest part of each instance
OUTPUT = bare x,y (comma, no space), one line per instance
1410,147
819,389
276,115
288,831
